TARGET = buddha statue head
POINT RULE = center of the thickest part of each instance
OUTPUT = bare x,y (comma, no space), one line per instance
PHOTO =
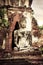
23,23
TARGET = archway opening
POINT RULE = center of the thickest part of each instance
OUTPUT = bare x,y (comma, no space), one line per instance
16,28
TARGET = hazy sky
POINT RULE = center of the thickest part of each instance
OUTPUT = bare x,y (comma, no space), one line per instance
37,6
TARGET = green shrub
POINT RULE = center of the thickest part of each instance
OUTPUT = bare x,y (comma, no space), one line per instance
41,27
3,22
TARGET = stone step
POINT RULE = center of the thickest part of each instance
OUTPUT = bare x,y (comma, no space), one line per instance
27,53
20,62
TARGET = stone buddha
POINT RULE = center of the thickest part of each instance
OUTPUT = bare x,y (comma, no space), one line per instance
22,37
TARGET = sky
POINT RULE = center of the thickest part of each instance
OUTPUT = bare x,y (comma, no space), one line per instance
37,6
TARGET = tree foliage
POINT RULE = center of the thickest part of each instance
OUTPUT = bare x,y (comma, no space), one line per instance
3,21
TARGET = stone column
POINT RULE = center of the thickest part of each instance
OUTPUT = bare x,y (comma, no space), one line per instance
9,2
6,2
27,3
19,2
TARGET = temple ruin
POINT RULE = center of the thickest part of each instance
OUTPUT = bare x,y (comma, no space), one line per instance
23,25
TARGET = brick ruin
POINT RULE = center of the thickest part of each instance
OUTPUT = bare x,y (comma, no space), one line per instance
15,14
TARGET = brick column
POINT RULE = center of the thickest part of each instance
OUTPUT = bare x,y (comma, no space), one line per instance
8,46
